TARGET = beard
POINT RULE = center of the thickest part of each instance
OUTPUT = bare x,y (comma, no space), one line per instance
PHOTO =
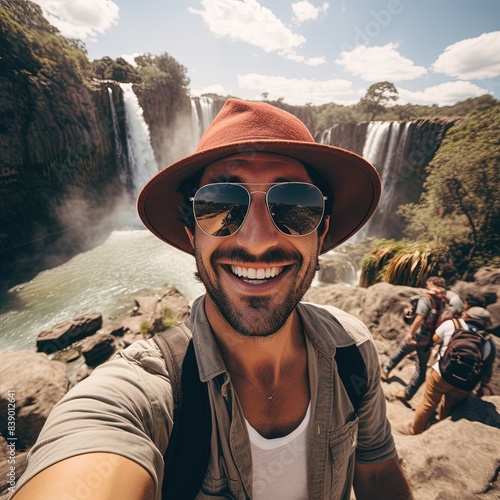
259,316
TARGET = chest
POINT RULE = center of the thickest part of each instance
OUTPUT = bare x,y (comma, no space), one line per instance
280,415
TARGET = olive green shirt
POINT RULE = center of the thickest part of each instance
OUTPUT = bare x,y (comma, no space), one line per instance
125,407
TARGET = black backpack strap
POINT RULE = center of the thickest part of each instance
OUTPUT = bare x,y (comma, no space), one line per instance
188,452
352,372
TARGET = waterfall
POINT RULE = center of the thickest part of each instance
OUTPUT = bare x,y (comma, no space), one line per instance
140,152
125,174
385,146
346,135
326,136
203,111
195,120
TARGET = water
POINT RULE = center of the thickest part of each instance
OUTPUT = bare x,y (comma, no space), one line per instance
141,156
125,174
104,279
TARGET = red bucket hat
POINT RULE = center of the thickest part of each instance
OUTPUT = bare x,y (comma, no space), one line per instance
241,127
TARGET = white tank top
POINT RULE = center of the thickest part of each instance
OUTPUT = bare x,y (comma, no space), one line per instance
280,464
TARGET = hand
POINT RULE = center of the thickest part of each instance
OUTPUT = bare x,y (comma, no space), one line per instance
410,340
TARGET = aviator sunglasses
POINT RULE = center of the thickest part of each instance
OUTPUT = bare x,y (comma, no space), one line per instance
296,208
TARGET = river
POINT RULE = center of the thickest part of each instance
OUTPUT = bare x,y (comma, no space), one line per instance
104,279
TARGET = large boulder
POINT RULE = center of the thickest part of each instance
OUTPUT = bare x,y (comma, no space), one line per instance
456,458
487,276
38,384
98,348
152,314
67,333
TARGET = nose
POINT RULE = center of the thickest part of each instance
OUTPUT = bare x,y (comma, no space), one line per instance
258,233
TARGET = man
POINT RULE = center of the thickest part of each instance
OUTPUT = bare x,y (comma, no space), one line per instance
438,392
283,426
419,338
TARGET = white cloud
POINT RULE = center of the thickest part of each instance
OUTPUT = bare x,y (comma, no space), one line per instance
315,61
82,19
301,91
443,94
380,63
306,11
250,22
472,58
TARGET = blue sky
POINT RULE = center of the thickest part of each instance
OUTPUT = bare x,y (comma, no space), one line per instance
435,52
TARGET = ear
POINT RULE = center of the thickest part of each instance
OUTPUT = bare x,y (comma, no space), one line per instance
190,235
322,236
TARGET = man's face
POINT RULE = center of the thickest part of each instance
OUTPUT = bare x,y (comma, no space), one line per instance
255,277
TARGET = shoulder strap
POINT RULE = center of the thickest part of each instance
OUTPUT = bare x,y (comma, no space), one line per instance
188,451
456,323
352,371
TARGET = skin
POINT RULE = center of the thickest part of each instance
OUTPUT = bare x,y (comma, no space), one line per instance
263,355
256,325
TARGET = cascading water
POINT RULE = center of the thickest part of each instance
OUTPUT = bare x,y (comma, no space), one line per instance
384,147
195,120
207,112
140,152
203,111
125,175
106,278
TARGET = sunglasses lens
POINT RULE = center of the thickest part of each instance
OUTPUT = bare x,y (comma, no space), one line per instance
220,209
297,209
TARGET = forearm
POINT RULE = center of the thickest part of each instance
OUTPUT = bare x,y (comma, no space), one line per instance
417,323
100,476
381,481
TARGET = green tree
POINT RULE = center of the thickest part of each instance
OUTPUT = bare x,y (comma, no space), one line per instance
33,49
377,97
460,207
162,71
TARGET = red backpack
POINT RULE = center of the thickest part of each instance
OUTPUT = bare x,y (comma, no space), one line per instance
462,363
439,304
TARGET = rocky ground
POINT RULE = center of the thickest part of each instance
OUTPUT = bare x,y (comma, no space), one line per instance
456,458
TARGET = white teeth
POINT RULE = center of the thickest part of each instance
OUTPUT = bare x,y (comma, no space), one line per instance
256,274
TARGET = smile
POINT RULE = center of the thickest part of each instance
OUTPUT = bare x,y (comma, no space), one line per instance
256,275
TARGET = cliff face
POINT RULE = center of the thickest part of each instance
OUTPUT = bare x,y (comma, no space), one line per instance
64,164
56,144
400,151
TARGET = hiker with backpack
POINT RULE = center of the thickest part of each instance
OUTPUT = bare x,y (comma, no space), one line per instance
424,320
463,356
285,401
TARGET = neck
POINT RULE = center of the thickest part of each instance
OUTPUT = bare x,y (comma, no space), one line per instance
257,357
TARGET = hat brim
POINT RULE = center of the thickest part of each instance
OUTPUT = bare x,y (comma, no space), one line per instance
354,182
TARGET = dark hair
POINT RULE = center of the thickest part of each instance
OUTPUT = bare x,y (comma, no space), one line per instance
437,281
189,187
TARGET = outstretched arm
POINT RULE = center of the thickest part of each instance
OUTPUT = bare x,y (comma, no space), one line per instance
381,481
417,323
100,476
